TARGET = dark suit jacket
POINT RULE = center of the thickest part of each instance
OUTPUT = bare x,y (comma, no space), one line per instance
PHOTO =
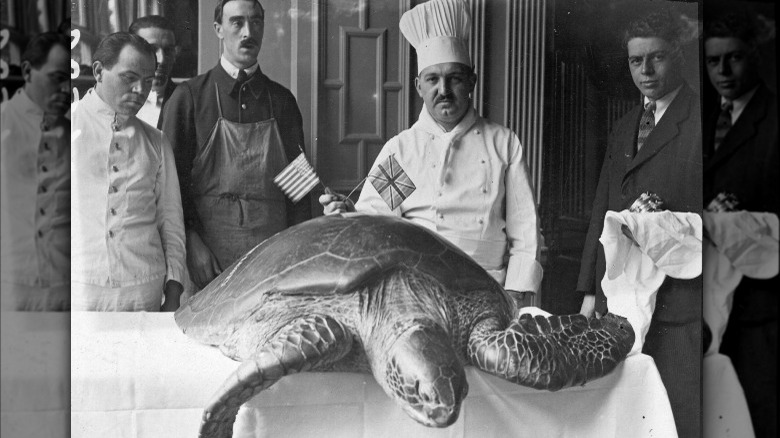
169,87
746,164
669,165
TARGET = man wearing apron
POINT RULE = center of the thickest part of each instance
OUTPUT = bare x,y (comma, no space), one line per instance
233,130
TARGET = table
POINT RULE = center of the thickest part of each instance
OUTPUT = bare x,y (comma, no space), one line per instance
136,375
34,358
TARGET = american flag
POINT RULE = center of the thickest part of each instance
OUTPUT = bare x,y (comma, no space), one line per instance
391,182
297,179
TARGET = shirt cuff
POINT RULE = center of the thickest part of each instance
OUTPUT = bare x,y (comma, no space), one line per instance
175,272
523,274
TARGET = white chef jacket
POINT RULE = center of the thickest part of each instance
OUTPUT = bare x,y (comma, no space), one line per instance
128,227
474,189
35,201
150,112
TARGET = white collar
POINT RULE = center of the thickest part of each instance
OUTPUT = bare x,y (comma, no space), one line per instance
26,105
739,104
427,123
662,104
232,70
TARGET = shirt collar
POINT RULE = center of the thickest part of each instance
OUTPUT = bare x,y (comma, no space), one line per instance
663,103
94,104
428,124
739,104
232,70
26,105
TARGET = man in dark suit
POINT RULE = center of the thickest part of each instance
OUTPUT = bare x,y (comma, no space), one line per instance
742,159
656,148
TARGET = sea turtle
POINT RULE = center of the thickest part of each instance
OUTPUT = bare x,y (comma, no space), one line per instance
380,294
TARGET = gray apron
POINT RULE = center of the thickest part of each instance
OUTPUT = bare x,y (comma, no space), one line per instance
236,199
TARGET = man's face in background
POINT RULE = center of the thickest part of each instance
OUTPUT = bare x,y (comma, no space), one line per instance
164,43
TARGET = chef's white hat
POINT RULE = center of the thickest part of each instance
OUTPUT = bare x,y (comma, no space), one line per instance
439,31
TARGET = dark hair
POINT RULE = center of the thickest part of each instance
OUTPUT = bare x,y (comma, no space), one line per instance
733,25
37,50
662,24
221,5
109,48
157,21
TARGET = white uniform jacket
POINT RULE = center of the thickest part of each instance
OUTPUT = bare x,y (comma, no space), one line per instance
473,188
127,224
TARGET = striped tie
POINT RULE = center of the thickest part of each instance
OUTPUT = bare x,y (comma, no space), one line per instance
646,125
724,123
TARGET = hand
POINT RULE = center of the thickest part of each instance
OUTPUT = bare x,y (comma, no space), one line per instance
172,291
202,263
334,203
588,306
522,299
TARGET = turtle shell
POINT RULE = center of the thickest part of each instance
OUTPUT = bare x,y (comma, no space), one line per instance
327,256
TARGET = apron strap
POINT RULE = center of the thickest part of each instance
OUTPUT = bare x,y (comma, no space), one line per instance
270,102
219,105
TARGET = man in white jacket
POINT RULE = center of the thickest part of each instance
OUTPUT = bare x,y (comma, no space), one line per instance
127,225
471,180
35,181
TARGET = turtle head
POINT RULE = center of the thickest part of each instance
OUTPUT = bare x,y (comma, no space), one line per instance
423,374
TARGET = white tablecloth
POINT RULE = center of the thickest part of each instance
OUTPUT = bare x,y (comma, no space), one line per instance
137,375
35,363
665,243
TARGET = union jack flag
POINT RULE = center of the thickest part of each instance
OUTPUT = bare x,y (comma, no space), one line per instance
297,179
391,182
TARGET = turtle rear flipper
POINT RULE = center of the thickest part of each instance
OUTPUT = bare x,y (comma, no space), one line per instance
306,344
551,352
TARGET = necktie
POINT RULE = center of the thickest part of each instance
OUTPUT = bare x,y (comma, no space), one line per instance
242,77
646,125
724,123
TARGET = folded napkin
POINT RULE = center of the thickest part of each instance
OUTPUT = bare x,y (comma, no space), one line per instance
664,243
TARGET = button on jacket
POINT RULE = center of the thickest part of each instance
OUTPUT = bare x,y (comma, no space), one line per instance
35,196
473,188
127,220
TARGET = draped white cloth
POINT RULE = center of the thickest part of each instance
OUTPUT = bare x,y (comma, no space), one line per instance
137,375
740,244
666,243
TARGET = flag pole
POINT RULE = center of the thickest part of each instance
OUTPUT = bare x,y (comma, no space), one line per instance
327,190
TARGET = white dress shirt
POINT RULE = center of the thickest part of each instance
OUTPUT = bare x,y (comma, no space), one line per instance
128,227
232,70
739,104
150,112
663,103
35,197
474,189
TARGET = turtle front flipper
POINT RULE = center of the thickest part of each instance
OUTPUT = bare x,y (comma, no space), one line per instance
551,352
306,344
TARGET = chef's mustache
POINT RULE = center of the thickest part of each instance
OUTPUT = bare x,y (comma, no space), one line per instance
446,97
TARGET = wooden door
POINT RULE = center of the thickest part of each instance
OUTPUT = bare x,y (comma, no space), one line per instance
363,72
